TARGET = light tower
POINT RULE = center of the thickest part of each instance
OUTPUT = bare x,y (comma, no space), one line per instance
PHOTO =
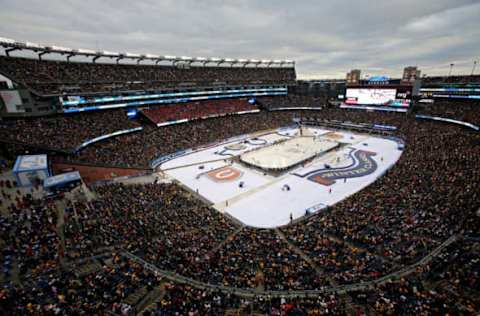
450,71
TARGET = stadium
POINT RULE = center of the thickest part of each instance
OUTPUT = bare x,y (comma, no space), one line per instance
145,184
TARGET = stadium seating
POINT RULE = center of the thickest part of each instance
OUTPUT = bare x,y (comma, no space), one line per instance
48,77
139,149
195,110
291,101
451,79
467,111
71,257
64,131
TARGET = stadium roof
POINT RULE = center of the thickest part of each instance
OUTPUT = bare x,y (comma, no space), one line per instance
12,45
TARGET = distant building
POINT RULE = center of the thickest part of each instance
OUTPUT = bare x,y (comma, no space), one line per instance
410,74
353,77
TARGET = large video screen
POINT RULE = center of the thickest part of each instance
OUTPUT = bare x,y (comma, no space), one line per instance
370,96
391,96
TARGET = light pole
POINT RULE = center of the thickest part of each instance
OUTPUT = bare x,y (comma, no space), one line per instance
473,68
450,71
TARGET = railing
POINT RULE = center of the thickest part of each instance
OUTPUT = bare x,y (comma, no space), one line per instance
297,293
443,119
108,136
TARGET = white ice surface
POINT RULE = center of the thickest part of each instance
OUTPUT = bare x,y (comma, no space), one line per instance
212,153
262,203
217,192
287,153
271,206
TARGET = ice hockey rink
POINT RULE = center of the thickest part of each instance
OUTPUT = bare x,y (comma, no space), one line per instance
322,167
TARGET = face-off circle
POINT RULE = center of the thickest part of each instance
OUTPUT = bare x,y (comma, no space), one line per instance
237,146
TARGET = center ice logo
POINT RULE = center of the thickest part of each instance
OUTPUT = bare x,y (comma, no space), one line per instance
363,165
224,174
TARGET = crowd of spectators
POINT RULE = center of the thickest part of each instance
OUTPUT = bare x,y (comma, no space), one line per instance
363,239
256,258
149,216
106,290
64,132
5,163
29,239
291,101
186,300
432,193
57,77
451,79
166,226
414,196
467,111
196,110
137,150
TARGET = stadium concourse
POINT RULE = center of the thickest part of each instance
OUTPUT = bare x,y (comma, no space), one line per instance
405,244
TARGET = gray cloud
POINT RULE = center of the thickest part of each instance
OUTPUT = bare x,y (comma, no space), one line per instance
326,38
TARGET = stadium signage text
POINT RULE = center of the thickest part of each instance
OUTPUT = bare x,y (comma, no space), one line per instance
363,165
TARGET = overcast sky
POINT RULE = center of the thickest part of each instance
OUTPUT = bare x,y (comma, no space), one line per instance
325,38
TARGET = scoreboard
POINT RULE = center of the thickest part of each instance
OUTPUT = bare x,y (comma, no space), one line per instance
391,96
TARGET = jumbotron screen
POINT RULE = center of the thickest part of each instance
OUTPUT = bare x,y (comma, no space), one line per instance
376,96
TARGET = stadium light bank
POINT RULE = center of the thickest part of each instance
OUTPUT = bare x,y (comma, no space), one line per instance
11,45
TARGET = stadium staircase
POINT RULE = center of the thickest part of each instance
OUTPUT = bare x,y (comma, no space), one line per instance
346,299
88,268
151,300
61,206
135,298
244,310
15,273
226,240
362,249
